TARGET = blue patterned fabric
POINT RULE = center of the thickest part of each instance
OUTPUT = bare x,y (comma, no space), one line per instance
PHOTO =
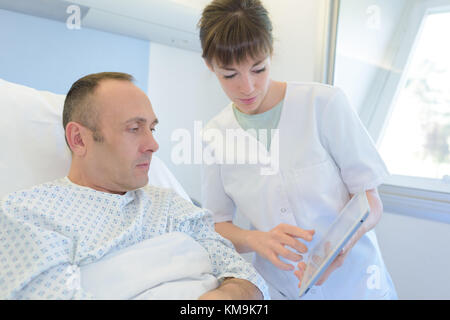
49,231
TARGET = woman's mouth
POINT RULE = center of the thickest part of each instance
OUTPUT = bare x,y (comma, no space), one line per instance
248,101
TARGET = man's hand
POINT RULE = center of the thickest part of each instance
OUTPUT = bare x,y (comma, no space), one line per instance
234,289
376,210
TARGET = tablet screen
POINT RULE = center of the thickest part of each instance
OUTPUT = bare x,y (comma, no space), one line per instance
342,229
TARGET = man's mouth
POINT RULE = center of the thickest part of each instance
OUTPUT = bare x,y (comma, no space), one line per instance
144,165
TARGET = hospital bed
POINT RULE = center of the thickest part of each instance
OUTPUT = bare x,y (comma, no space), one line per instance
33,151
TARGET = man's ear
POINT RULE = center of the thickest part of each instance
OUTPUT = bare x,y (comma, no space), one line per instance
75,135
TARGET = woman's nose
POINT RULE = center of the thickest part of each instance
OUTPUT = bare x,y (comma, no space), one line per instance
247,86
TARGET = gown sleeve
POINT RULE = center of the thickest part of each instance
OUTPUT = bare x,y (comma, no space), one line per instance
350,145
35,262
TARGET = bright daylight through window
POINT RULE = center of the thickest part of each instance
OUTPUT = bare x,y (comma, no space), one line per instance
416,141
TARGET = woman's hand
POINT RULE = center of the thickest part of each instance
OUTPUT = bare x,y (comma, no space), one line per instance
270,245
376,210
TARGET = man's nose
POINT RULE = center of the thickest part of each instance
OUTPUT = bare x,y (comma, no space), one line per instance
150,143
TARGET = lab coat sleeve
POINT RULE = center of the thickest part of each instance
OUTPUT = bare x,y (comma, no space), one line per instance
225,261
350,146
35,262
214,197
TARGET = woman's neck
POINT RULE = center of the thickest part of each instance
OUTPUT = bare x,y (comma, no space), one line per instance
275,94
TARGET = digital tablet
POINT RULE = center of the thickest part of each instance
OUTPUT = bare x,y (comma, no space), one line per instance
325,251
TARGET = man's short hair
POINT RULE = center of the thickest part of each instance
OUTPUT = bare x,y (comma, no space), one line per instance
78,106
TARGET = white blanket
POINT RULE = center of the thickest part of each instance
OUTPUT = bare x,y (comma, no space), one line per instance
171,266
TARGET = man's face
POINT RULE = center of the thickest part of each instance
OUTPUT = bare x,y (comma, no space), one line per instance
126,122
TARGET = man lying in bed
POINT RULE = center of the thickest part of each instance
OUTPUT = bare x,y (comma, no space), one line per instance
52,234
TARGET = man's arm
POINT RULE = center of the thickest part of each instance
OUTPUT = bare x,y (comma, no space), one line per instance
242,280
234,289
38,261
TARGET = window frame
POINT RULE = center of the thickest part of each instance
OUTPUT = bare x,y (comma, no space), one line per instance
424,198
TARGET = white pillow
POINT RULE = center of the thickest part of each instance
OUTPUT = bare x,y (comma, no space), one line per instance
32,145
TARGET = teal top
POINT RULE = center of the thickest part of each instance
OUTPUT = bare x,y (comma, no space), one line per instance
267,120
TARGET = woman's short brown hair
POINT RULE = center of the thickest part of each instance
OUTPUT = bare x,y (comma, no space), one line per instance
233,30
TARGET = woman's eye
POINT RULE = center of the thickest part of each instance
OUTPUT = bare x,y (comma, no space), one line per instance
133,129
232,75
260,70
152,129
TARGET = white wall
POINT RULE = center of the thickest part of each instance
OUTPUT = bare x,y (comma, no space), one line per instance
417,255
182,90
44,54
299,35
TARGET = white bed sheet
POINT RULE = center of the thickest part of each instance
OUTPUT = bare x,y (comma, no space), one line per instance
170,266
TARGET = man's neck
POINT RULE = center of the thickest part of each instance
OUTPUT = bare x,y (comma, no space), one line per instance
76,177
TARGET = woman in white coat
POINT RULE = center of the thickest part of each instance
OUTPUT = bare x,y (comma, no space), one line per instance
322,155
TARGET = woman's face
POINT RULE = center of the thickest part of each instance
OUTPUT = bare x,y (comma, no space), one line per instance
246,84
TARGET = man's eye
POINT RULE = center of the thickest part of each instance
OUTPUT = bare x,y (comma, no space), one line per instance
230,76
133,129
152,129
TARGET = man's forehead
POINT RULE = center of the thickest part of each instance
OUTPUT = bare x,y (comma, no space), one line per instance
142,120
123,101
111,86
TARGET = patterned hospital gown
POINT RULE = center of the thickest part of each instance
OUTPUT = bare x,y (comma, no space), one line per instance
50,230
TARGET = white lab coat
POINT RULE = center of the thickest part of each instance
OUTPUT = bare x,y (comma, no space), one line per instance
325,154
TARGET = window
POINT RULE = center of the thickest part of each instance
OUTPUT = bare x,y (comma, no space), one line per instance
392,60
422,109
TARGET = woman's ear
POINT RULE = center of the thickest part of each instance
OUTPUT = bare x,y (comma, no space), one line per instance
74,136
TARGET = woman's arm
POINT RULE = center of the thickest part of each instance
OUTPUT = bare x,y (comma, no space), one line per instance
238,236
270,244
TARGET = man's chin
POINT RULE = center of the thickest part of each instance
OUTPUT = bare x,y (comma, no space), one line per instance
140,182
